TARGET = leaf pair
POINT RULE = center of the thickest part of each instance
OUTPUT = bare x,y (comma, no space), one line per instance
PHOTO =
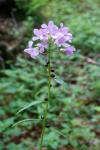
24,108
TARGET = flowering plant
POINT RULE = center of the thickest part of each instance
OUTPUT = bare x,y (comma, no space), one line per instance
42,42
60,37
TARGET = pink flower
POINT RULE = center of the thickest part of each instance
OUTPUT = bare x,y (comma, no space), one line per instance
60,37
69,50
33,52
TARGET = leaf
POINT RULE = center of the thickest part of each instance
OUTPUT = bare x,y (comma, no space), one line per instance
60,133
6,124
28,106
24,120
97,108
34,5
59,81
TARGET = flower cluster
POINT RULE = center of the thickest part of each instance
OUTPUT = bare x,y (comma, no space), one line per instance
60,36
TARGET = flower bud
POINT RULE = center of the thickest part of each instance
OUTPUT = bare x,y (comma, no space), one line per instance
52,75
46,99
46,65
42,117
52,70
47,126
58,84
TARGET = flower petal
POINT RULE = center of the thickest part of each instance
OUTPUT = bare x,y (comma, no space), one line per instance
34,53
36,32
30,43
44,26
69,50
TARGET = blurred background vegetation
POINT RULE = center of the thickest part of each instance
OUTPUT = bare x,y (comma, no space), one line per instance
74,111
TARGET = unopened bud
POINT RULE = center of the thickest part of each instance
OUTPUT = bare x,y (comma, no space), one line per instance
47,126
46,65
42,117
52,75
52,70
58,84
46,99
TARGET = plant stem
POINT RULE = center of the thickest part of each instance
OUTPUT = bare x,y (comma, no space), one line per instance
46,103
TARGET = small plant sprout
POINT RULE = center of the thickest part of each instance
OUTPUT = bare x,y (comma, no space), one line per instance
48,36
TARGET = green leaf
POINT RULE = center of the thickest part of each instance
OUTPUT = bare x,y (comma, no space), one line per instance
97,108
59,80
30,105
60,133
24,120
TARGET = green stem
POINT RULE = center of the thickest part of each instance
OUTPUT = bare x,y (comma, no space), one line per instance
46,103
